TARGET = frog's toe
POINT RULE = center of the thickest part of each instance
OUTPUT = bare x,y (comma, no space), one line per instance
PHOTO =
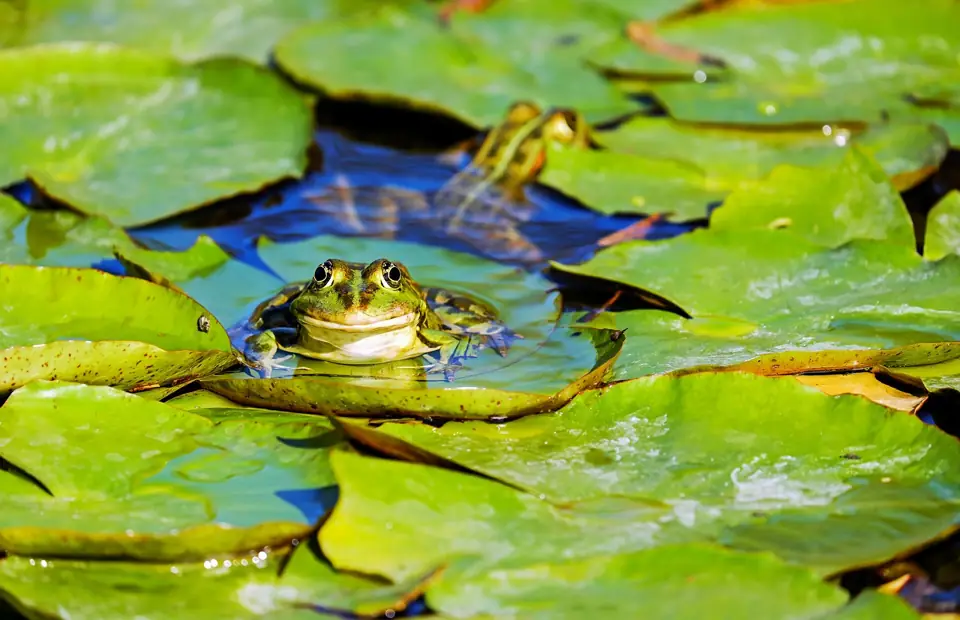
447,367
265,367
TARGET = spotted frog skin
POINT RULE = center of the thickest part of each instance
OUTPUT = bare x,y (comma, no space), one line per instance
351,313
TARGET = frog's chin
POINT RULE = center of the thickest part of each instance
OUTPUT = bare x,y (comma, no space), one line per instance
383,342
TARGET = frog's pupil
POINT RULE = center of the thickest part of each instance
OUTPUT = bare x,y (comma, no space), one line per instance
320,274
393,274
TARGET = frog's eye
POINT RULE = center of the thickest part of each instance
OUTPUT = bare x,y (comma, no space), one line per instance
392,275
324,274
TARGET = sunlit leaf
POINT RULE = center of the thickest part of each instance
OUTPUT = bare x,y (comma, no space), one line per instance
92,327
943,228
136,137
132,478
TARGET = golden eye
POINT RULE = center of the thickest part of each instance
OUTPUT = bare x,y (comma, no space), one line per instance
324,274
391,274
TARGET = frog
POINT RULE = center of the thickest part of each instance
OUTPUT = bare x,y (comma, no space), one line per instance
483,204
364,314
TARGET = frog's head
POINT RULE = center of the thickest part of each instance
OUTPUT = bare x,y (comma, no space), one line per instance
353,297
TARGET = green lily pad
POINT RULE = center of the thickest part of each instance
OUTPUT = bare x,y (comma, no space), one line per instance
678,581
611,182
872,605
187,30
943,228
772,302
947,117
804,479
92,125
128,477
857,192
240,588
401,520
733,157
88,326
451,70
544,369
811,62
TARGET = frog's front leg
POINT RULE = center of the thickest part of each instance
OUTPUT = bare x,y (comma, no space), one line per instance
260,351
447,358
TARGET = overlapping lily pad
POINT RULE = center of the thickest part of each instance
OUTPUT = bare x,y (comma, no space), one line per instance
810,62
125,477
802,478
544,369
92,327
135,137
943,228
784,303
644,584
451,70
243,587
733,157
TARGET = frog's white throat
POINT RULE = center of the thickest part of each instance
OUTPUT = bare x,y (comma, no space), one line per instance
385,341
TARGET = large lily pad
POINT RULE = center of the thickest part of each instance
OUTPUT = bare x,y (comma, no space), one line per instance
544,369
420,63
128,477
856,194
802,479
240,588
644,584
188,30
88,326
810,62
775,303
734,157
93,125
401,520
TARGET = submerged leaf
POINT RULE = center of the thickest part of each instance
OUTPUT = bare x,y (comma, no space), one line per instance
92,125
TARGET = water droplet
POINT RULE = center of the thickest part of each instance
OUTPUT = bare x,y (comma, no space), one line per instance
768,107
699,76
827,130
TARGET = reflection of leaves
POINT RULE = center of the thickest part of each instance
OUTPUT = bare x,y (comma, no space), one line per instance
100,138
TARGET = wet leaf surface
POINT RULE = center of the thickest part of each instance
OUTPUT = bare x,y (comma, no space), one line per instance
93,125
235,587
782,303
732,157
810,62
455,71
55,327
715,583
132,478
807,474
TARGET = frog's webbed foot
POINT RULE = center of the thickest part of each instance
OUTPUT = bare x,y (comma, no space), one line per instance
265,367
260,354
447,367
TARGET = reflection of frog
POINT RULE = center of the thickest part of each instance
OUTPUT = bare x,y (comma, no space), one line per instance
351,313
484,203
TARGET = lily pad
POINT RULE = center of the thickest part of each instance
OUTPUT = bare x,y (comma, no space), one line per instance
240,588
678,581
611,182
772,302
188,30
400,520
855,193
943,228
132,478
811,62
544,369
803,479
88,326
734,157
92,125
422,64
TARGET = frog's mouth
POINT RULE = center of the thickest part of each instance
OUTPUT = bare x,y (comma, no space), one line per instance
398,322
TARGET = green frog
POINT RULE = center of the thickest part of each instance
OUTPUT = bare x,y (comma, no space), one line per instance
484,203
356,314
